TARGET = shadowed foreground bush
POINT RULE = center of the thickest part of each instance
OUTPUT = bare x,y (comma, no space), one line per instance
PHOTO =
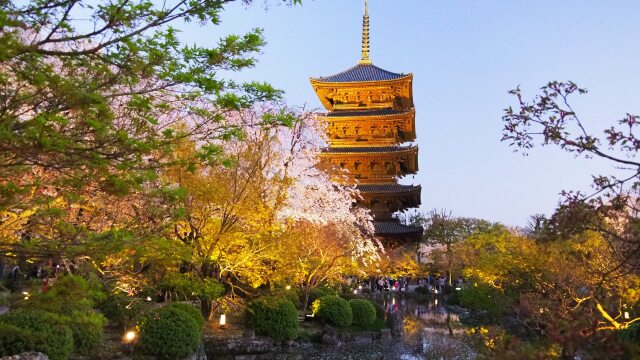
275,317
36,330
334,310
364,313
169,333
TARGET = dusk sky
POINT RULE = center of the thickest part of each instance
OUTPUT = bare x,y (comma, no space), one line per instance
464,56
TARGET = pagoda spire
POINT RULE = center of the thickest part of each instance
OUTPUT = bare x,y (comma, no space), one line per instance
365,36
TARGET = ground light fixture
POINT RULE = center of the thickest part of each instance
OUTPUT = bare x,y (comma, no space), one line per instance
288,287
130,336
223,320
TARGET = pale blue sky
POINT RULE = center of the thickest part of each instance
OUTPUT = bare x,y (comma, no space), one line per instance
465,56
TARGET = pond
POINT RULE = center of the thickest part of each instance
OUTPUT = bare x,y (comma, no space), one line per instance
430,332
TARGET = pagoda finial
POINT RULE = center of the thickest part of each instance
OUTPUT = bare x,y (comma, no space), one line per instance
365,36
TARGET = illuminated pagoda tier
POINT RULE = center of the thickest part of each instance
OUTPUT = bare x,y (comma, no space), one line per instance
370,118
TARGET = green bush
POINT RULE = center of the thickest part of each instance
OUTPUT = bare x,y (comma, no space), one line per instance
69,294
485,298
273,316
317,293
334,310
122,310
14,340
191,310
380,310
87,332
52,335
169,333
364,313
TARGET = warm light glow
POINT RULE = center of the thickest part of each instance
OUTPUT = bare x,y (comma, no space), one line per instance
355,291
626,315
393,301
436,302
360,287
223,320
130,336
25,293
458,288
148,298
288,287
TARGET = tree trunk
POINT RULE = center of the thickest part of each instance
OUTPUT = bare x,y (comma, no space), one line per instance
305,304
206,308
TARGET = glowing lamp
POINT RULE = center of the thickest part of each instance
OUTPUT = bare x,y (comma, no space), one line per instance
130,336
458,288
626,315
223,320
355,291
288,287
360,287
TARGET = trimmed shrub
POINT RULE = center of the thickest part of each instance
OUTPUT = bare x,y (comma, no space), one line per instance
334,310
52,335
70,294
380,310
169,333
364,313
87,332
273,316
123,311
485,298
14,340
191,310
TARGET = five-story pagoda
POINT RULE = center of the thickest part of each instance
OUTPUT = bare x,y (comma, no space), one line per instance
370,115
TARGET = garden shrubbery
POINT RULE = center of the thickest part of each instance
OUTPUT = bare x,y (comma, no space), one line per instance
274,316
364,313
485,298
169,333
87,332
317,293
334,310
191,310
36,330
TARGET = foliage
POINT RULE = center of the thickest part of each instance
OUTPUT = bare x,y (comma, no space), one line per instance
69,295
364,313
334,310
485,298
15,340
54,338
273,316
169,333
122,310
444,230
316,293
189,309
87,332
187,286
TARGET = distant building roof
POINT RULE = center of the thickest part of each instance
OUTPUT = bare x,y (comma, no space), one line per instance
361,72
395,228
386,188
369,149
374,112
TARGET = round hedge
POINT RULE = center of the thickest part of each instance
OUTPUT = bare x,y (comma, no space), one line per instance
364,313
334,310
87,332
169,334
14,340
48,332
191,310
276,317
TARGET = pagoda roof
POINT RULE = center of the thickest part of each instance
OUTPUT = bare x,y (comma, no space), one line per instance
361,73
362,113
395,228
368,149
386,188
